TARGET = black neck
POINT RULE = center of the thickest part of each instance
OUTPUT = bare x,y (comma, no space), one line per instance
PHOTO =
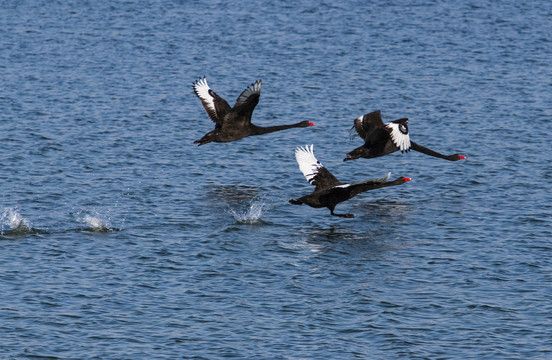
427,151
259,130
372,185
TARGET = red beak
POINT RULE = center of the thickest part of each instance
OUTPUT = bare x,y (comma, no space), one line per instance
461,157
311,124
407,179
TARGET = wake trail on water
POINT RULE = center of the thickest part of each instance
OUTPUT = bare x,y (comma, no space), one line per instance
13,224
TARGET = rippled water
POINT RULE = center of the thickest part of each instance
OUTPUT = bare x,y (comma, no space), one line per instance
119,238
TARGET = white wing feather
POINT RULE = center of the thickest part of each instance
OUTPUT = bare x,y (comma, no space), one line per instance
308,164
201,89
402,141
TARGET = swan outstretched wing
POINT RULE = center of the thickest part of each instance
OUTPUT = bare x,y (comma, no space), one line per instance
399,134
253,89
214,105
315,173
368,123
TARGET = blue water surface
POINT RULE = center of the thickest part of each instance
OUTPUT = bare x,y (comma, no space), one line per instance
121,239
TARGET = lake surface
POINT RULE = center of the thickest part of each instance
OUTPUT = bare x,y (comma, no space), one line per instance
121,239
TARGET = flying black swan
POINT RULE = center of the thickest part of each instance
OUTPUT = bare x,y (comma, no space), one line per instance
382,139
234,123
329,191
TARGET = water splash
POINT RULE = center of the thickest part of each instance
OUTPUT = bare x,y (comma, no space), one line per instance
14,221
95,222
251,214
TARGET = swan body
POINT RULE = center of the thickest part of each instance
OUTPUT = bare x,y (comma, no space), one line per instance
381,139
234,123
328,190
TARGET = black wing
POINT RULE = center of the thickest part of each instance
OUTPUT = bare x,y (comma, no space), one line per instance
367,124
215,106
248,99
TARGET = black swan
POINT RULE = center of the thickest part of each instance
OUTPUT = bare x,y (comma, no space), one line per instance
329,191
234,123
382,139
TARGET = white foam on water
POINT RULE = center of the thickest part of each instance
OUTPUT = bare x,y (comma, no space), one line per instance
94,221
14,221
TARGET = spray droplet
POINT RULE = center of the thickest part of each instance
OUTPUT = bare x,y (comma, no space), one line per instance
14,221
95,222
252,214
